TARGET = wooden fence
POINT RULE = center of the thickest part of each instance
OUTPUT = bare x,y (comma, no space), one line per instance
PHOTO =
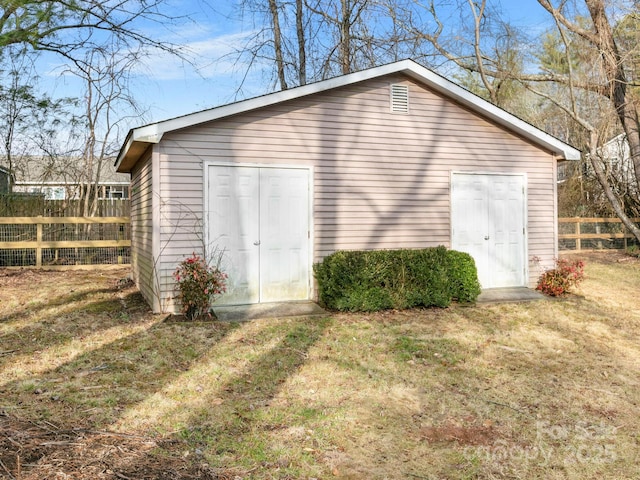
589,234
67,242
24,205
64,242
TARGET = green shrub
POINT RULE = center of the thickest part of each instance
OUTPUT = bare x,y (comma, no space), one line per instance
463,277
383,279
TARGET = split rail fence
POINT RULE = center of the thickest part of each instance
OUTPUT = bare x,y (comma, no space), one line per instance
64,242
70,242
590,234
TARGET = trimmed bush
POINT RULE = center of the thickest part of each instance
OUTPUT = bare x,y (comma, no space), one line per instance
384,279
463,277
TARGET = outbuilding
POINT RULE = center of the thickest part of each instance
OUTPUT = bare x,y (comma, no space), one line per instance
395,156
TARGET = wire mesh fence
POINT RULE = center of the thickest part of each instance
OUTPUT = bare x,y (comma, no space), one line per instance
53,257
587,234
64,241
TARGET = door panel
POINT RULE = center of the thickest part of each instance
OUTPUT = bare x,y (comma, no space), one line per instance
488,222
506,216
260,217
284,234
468,217
233,229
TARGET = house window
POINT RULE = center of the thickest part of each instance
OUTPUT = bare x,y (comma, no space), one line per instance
116,191
48,192
399,98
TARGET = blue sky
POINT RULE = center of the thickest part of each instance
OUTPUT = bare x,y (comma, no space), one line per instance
169,88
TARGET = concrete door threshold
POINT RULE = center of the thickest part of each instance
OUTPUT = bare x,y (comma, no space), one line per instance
241,313
510,294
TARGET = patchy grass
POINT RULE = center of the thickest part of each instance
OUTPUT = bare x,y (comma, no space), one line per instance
92,385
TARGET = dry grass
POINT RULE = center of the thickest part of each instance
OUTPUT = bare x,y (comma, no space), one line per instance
94,386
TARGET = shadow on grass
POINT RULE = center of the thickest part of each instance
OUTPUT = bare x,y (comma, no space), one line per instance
41,290
95,389
241,402
92,389
70,301
75,321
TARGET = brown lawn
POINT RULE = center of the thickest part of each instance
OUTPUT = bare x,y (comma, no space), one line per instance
93,386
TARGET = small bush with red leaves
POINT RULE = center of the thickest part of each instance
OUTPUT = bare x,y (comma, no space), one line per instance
557,281
198,284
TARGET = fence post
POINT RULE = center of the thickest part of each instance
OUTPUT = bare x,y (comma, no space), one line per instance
39,245
120,237
578,243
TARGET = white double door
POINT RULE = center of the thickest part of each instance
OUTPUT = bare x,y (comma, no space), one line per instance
488,222
258,217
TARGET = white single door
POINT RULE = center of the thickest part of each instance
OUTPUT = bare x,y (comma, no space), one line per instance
258,217
488,222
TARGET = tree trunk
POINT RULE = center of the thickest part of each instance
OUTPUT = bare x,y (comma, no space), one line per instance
345,38
302,52
620,96
277,44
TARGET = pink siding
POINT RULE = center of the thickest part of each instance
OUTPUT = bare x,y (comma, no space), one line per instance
381,180
142,228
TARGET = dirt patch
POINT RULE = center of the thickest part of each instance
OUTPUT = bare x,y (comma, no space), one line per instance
179,318
30,450
462,433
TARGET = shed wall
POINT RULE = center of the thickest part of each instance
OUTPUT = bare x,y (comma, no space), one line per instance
142,227
381,180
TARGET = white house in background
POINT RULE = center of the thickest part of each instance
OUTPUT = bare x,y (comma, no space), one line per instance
617,157
59,180
391,157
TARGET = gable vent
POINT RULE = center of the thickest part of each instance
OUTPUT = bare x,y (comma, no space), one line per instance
399,98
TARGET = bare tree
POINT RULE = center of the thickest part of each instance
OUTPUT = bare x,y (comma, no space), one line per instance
302,43
29,119
100,42
108,107
68,27
309,40
277,43
584,91
345,29
609,82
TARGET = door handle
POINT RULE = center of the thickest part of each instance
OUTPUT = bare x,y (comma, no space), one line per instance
486,237
256,243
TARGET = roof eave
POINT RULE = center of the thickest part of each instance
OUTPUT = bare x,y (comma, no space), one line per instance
131,151
139,139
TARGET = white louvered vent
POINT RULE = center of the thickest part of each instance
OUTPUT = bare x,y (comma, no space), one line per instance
399,98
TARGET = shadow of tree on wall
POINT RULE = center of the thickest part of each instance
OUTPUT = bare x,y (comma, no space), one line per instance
404,171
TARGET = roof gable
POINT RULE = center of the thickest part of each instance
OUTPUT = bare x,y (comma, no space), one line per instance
138,139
